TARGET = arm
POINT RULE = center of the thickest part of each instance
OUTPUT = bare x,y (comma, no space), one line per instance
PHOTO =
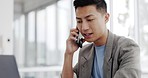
71,47
129,61
67,71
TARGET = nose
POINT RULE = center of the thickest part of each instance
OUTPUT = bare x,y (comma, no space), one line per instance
85,26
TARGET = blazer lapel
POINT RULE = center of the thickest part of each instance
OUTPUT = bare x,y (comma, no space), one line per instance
107,56
86,63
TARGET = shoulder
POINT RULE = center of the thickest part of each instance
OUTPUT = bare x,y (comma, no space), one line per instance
128,55
124,42
120,41
127,46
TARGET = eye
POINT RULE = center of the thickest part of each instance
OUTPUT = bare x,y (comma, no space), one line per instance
79,21
90,20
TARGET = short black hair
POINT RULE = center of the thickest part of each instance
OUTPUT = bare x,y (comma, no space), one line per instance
100,4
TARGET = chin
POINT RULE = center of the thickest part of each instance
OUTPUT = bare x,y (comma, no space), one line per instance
89,40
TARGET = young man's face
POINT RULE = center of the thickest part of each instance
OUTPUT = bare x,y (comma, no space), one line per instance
91,23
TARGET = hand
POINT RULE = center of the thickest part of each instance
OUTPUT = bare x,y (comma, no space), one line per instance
71,46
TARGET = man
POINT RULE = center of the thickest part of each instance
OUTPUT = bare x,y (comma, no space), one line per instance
108,56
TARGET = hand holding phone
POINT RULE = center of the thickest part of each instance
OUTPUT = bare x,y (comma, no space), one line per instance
79,40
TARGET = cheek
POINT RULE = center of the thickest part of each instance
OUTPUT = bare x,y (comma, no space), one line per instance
98,28
101,24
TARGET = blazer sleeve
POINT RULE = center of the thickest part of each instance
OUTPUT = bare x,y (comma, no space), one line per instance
129,60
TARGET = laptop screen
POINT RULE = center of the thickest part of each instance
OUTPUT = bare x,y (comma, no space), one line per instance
8,67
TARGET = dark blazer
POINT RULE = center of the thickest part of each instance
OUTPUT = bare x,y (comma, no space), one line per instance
121,59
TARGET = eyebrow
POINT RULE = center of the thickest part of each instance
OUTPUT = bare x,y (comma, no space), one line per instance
78,18
85,17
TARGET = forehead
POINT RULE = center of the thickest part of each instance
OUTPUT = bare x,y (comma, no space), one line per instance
87,10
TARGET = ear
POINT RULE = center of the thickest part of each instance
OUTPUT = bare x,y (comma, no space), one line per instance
107,17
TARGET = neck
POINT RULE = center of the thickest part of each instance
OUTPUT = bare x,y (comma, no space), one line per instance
102,40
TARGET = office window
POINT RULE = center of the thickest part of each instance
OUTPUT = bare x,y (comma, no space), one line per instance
16,35
29,75
21,52
30,58
64,23
143,35
41,47
41,37
51,36
123,17
16,32
19,41
31,27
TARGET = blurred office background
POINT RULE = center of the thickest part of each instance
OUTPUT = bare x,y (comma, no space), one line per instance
35,31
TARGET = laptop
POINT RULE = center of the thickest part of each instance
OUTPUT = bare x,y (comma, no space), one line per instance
8,67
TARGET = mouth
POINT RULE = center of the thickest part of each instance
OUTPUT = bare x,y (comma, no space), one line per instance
88,35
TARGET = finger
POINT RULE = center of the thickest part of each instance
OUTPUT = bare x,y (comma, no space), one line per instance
73,38
74,30
74,34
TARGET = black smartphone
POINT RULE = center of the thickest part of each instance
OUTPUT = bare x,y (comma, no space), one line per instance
80,40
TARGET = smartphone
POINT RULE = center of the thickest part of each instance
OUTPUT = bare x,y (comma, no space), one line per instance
80,40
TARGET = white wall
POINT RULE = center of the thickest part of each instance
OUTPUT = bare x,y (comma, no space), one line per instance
6,26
